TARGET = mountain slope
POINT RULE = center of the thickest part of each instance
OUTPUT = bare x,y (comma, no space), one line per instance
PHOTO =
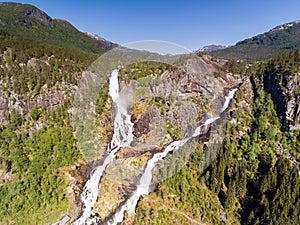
37,145
282,38
255,178
29,22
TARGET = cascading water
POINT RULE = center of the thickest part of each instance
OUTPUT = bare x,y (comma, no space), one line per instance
144,184
122,137
228,99
143,187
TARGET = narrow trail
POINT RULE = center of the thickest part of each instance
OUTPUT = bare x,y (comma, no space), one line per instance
193,221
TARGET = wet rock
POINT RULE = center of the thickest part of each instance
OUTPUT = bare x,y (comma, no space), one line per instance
128,152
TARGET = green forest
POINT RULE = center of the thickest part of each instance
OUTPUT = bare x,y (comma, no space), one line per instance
251,180
36,192
28,22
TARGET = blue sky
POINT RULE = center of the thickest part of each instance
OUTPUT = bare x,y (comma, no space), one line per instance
189,23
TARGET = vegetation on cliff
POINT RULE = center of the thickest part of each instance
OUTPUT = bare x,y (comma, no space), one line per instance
36,138
255,178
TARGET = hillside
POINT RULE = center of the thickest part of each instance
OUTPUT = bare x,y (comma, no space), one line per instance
281,39
255,178
242,168
28,22
37,145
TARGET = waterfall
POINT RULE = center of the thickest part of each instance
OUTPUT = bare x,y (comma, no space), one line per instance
143,187
228,99
122,137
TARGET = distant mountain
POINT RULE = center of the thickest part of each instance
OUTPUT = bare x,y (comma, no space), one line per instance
28,22
280,39
210,48
101,40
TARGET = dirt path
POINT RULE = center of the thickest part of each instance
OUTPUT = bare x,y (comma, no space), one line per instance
194,222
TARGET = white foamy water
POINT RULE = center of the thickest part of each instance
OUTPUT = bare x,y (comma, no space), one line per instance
228,99
143,187
122,137
144,184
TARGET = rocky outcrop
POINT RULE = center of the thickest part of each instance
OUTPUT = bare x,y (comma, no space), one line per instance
272,86
3,106
142,126
210,48
287,103
204,76
33,17
293,113
2,22
38,15
47,99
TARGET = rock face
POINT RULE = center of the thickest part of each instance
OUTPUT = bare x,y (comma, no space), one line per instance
287,104
3,105
273,87
23,103
205,78
33,16
141,126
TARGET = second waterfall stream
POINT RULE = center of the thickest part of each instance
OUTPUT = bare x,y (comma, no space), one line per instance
122,137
